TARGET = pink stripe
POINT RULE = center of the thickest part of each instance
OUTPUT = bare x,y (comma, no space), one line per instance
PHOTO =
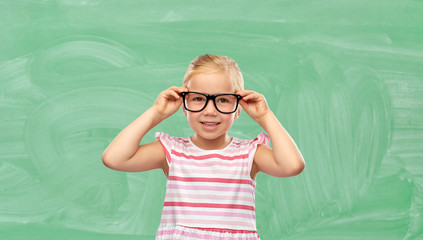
224,230
186,148
208,156
191,150
173,212
231,172
208,164
207,222
210,188
219,180
214,197
209,205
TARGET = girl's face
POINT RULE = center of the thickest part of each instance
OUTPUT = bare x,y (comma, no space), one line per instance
210,125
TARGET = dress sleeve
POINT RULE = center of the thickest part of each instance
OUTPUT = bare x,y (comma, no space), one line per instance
262,138
166,142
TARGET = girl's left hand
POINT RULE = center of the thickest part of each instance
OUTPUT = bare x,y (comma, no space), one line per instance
254,104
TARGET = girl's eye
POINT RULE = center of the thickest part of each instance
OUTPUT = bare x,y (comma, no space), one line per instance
198,99
228,99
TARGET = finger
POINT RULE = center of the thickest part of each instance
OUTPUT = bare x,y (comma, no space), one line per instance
170,94
177,91
176,88
175,95
243,104
249,96
244,93
252,97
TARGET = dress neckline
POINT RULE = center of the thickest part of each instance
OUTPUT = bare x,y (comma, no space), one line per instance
213,150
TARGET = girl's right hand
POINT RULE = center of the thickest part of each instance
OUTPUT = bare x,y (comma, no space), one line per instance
169,101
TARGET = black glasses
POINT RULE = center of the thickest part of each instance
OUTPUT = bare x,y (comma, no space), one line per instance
224,103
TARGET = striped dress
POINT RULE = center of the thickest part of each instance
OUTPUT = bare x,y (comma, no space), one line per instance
209,193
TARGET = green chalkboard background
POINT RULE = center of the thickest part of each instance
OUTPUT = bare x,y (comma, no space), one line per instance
345,78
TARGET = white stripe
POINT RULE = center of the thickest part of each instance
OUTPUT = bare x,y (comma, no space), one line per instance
215,201
206,192
212,164
213,223
214,215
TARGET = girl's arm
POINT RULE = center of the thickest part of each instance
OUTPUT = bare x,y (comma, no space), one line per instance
125,153
285,159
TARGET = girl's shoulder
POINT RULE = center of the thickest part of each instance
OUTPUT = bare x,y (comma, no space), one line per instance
170,141
165,136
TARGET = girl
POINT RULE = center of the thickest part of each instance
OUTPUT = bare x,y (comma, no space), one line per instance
210,175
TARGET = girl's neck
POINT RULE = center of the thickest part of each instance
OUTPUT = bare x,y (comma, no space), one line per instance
211,144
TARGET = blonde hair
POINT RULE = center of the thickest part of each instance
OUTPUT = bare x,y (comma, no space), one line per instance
209,63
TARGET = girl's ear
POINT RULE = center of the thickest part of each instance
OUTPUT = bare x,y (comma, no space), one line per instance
238,112
184,110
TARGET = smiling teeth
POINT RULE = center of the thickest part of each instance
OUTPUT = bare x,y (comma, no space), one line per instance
210,124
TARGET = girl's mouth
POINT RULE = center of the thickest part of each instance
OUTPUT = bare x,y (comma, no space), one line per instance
210,124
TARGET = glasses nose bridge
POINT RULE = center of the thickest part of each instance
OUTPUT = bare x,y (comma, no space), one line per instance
211,97
208,99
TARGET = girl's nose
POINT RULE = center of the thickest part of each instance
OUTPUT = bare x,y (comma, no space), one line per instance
210,108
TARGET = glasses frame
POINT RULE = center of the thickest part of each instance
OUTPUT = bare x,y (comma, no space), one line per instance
212,97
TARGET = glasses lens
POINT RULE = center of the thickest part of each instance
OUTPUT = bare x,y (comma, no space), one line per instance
226,103
195,101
